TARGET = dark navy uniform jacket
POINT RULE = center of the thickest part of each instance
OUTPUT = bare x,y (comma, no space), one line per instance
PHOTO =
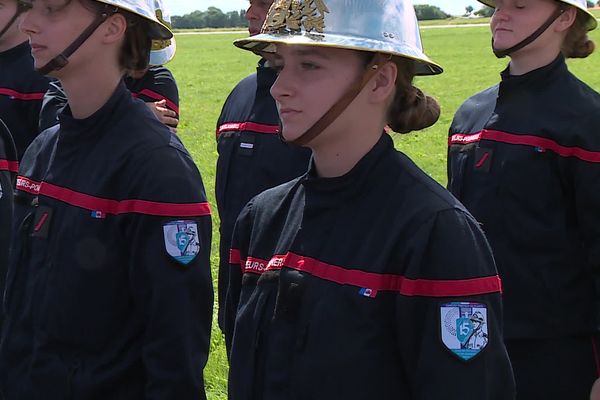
157,84
524,158
252,158
340,288
8,171
21,93
109,293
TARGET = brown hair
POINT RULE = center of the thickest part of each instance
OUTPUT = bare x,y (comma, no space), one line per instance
577,44
410,109
135,51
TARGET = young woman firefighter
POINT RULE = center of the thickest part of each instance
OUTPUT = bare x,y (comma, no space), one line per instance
155,84
524,158
363,278
109,293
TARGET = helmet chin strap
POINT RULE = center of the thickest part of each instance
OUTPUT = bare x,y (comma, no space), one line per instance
338,108
503,53
61,60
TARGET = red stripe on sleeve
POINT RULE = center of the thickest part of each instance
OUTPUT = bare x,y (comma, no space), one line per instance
527,140
114,207
22,96
379,282
248,126
6,165
544,143
157,96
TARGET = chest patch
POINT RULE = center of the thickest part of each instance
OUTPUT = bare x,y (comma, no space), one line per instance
464,328
181,240
41,222
483,159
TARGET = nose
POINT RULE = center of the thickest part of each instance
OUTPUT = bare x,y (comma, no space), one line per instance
500,14
251,13
283,86
26,24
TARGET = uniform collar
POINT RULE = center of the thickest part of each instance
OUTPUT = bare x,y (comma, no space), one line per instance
354,180
73,129
265,76
18,51
539,76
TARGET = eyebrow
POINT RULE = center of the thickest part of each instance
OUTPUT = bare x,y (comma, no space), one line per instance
312,52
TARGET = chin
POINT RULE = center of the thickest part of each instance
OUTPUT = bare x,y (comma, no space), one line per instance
291,134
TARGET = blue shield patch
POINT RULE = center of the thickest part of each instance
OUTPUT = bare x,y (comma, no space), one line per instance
464,328
181,240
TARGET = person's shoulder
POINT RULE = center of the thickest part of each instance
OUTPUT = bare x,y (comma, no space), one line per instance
159,70
246,83
419,189
39,152
274,198
479,100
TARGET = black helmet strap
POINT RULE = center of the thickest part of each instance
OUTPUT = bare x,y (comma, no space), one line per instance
61,60
503,53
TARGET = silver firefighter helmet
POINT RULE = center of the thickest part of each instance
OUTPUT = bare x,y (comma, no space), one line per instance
379,26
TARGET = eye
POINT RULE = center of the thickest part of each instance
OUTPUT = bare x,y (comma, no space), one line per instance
276,67
309,66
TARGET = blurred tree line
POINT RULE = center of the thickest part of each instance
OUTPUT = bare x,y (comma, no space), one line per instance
213,17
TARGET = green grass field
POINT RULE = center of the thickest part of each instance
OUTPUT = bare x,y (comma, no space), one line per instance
207,67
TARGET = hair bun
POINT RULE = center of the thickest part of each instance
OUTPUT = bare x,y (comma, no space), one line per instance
412,111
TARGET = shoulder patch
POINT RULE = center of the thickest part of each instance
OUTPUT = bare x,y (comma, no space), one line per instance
181,240
463,328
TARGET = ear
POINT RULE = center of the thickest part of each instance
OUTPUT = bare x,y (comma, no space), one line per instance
383,84
114,28
566,20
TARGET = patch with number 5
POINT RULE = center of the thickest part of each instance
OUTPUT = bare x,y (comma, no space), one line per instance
464,328
181,240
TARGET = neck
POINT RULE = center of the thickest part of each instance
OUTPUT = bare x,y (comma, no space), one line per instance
86,96
520,65
342,150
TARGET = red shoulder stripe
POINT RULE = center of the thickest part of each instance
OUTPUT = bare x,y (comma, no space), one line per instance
248,126
375,281
157,96
6,165
527,140
114,207
22,96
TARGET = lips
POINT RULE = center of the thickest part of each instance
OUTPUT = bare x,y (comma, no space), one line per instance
287,112
35,48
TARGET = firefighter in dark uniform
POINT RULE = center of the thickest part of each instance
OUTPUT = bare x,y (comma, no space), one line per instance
524,158
252,158
109,293
8,171
363,278
21,88
154,85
